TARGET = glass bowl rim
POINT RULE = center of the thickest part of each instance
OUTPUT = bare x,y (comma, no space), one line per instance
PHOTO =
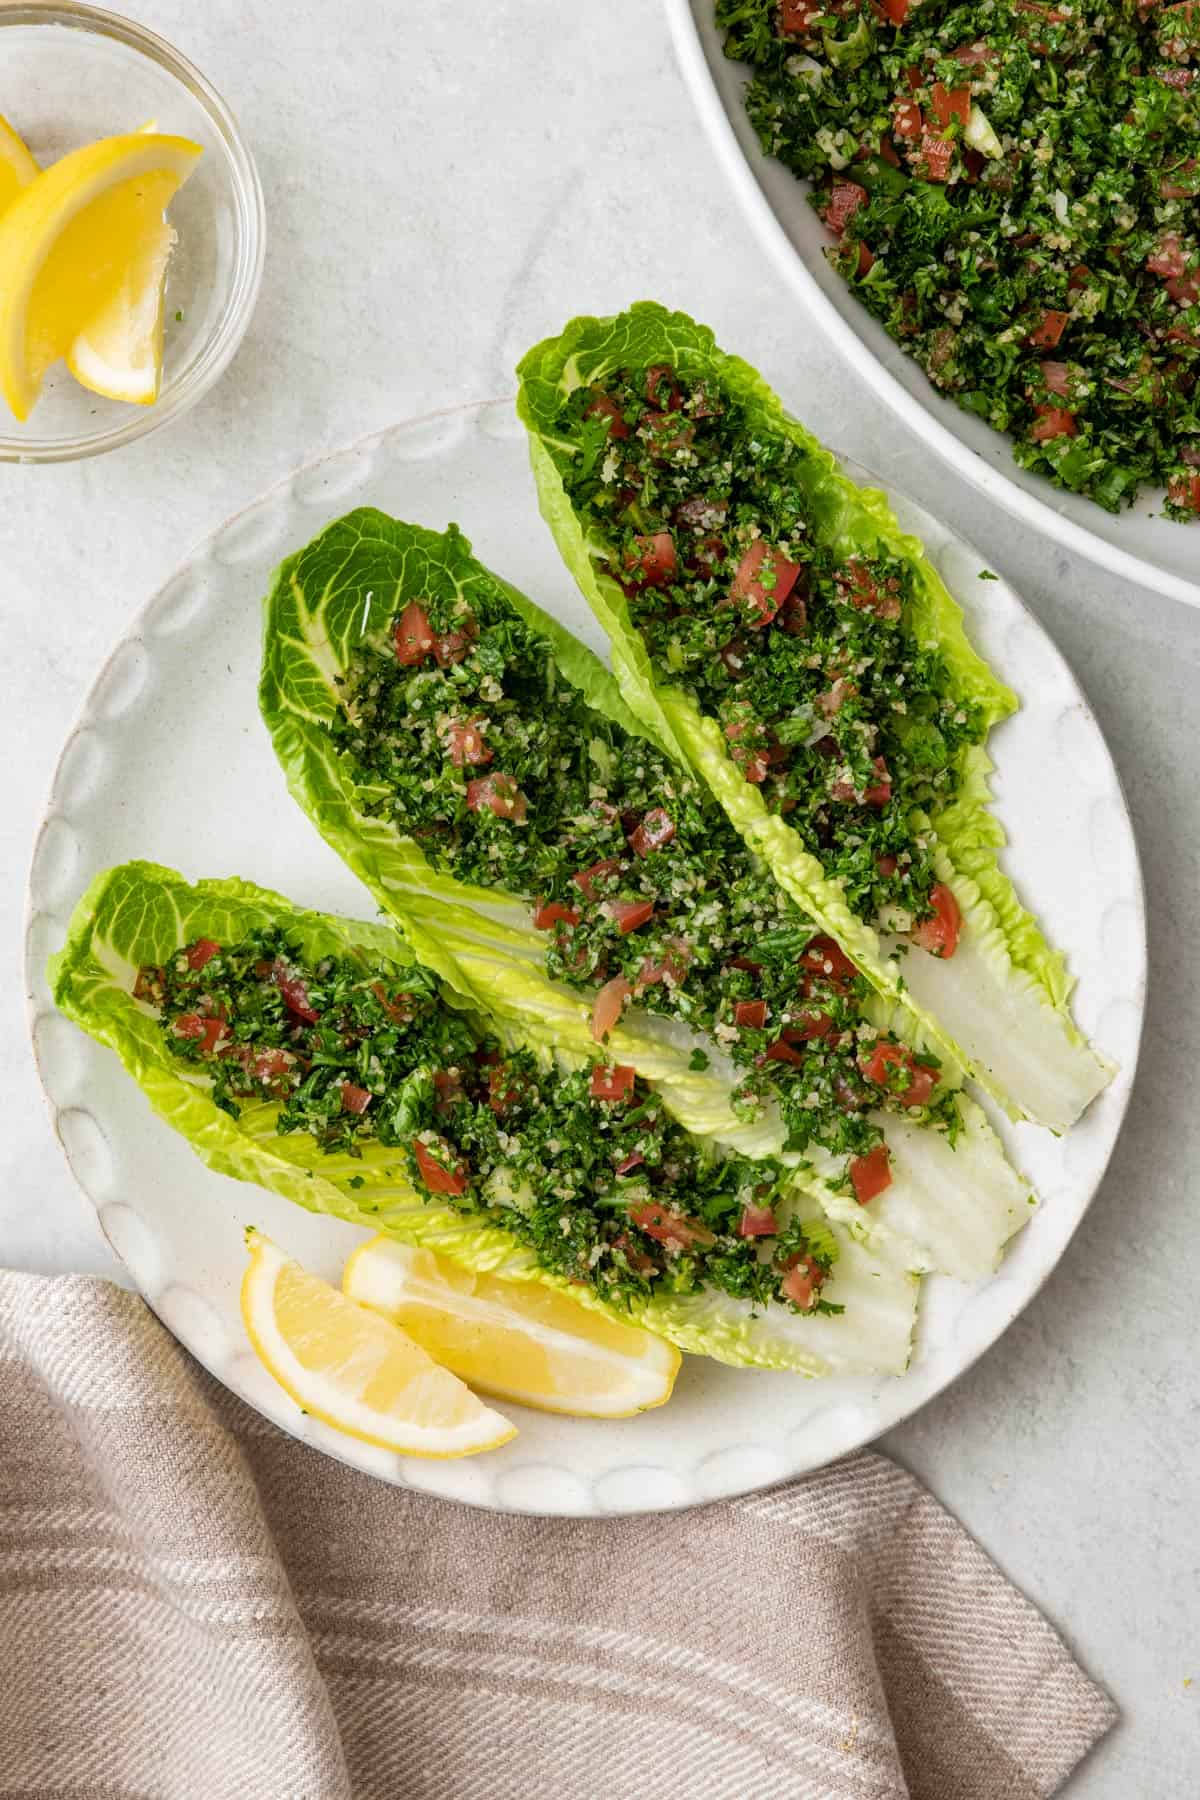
246,275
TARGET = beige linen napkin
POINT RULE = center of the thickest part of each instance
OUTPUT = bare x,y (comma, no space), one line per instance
192,1606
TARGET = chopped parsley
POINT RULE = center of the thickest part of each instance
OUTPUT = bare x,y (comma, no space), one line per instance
1013,189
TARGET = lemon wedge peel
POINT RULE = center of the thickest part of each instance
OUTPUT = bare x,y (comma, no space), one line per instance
356,1372
52,279
518,1340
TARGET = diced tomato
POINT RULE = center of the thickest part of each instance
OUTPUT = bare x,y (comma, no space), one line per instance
806,1026
783,1052
950,104
750,1015
857,587
1046,334
796,16
888,151
268,1066
886,866
671,967
1184,289
504,1088
844,791
655,830
354,1099
832,701
1184,490
497,794
1057,377
295,992
1179,79
205,1031
844,202
551,913
1052,422
612,1082
802,1282
765,578
627,915
637,1260
792,616
824,959
662,389
651,560
939,934
629,1163
871,1174
398,1007
586,880
201,952
443,1173
757,1221
1078,278
413,637
887,1056
936,155
147,985
1170,257
752,759
734,657
1180,182
452,646
971,55
447,1089
675,1229
895,11
602,406
467,745
866,261
666,432
607,1006
907,123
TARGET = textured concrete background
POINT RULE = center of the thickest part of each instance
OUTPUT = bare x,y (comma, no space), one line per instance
444,185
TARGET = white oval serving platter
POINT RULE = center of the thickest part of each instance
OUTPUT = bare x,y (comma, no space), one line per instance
170,761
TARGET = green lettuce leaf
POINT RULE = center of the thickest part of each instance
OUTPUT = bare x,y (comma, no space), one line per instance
342,590
141,913
999,1007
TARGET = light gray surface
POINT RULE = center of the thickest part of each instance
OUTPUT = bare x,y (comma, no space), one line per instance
443,186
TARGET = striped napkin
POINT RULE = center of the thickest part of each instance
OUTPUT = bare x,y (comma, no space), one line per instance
193,1606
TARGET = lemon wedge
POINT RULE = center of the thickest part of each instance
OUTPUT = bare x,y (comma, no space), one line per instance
17,167
528,1343
67,242
358,1372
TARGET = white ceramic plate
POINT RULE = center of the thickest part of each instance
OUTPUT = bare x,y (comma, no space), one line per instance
170,761
1138,544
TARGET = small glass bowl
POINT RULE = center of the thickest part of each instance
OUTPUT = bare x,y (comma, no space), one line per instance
71,73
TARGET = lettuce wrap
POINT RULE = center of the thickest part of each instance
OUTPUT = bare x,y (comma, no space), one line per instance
141,919
998,1002
953,1200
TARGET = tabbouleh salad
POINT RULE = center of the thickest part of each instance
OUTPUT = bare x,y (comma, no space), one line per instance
1013,188
586,1168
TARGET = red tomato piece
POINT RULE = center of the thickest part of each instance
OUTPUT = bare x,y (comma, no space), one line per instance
586,880
1045,335
796,16
612,1082
866,261
452,646
895,11
950,104
355,1099
498,794
205,1031
441,1168
412,636
467,745
398,1007
655,830
672,967
1184,490
886,866
887,1056
808,1025
651,560
857,587
881,793
1052,422
1185,289
803,1281
844,202
888,151
551,913
662,390
269,1066
751,759
783,1052
627,915
757,1221
504,1088
674,1229
629,1163
1057,377
607,1006
907,123
447,1089
939,934
750,1015
1170,257
871,1174
823,959
602,406
295,992
971,55
936,155
201,952
765,578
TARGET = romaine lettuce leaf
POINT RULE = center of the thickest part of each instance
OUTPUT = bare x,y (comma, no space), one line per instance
343,589
1003,1011
141,913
